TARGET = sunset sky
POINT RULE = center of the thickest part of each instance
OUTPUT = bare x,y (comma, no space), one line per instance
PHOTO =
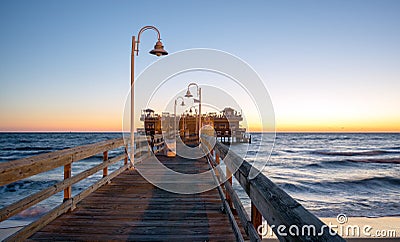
330,66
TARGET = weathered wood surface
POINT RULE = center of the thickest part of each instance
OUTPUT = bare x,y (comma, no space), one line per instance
67,205
275,205
256,217
16,170
35,198
130,208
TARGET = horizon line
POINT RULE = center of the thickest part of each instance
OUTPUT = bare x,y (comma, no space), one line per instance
297,131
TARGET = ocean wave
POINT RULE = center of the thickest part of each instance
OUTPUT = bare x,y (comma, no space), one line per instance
28,148
251,153
290,151
330,164
354,153
314,165
27,185
351,162
377,160
366,182
25,141
294,187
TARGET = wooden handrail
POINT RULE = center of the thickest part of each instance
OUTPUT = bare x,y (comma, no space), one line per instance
275,205
143,146
35,198
35,226
243,216
19,169
227,207
230,197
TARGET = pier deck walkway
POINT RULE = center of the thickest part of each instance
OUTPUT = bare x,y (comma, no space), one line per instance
131,208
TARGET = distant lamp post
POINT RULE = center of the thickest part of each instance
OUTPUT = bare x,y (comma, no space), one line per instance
189,94
176,103
158,51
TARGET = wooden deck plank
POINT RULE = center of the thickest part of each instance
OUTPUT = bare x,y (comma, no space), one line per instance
130,208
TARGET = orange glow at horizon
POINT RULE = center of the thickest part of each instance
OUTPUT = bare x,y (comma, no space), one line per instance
88,126
111,121
54,123
106,123
384,125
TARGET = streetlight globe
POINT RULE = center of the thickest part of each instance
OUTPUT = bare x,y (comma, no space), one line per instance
158,49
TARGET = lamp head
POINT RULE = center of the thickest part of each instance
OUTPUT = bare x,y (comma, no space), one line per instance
182,103
188,93
158,49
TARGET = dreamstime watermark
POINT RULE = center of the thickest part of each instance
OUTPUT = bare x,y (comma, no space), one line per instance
343,228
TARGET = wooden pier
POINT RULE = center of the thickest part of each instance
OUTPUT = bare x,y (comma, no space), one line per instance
130,208
124,206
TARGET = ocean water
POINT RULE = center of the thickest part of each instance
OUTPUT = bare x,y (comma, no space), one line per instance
328,173
356,174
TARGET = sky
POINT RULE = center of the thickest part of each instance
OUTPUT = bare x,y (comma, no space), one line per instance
329,66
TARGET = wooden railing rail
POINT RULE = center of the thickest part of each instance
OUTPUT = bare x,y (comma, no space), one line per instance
274,204
35,198
19,169
16,170
239,208
143,146
231,199
227,207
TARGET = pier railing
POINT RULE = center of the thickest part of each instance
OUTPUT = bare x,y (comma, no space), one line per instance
231,202
270,202
17,170
143,147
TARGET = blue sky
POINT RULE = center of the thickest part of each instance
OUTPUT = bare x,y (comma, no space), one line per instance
328,65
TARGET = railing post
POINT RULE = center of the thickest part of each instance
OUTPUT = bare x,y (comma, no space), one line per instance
215,159
138,149
256,217
67,174
149,148
105,158
126,153
229,176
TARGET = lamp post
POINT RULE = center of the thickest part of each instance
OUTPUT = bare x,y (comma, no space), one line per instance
176,103
158,51
189,94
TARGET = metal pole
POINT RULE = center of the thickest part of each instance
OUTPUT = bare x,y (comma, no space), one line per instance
175,117
184,126
199,111
196,127
133,100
